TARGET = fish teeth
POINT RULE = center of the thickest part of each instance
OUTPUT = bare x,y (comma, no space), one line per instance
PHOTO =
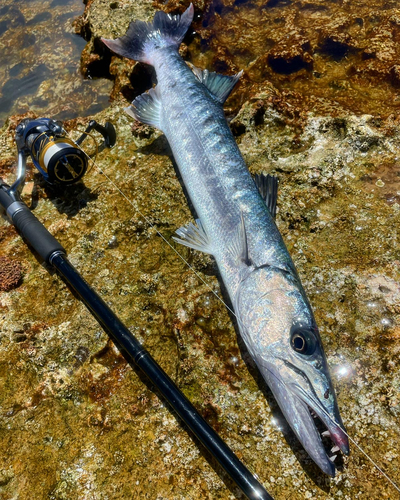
332,458
325,434
335,449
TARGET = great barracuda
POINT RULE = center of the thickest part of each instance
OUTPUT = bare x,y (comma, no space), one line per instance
236,226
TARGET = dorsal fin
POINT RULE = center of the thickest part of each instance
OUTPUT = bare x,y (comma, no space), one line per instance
146,108
268,187
219,85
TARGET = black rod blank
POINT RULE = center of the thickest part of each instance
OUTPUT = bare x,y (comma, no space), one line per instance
135,353
52,252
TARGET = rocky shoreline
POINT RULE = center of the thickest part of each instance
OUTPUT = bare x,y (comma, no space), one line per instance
75,420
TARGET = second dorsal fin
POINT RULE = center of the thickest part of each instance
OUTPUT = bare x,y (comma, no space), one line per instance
219,85
268,187
146,108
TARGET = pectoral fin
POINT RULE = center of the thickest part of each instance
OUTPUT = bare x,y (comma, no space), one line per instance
194,236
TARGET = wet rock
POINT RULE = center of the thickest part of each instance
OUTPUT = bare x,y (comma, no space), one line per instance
34,74
395,75
10,274
336,45
141,130
291,55
69,399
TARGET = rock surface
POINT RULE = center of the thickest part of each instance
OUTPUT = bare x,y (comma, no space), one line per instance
76,422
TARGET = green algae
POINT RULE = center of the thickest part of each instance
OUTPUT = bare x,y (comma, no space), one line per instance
77,422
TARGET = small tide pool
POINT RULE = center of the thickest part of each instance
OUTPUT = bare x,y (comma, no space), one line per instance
40,62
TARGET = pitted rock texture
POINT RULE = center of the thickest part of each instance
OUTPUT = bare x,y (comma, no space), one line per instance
76,422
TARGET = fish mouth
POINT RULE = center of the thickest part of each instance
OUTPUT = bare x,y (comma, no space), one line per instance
334,425
302,412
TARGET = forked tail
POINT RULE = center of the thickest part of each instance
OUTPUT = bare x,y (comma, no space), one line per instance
142,39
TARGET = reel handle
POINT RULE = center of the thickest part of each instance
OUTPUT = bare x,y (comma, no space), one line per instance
107,131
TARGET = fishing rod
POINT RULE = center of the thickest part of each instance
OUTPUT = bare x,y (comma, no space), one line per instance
61,162
218,297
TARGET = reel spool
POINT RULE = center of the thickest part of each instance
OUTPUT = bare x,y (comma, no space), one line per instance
59,159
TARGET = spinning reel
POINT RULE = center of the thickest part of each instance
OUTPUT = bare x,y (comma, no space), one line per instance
57,157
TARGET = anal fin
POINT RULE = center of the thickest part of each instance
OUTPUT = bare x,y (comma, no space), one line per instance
194,236
146,108
268,188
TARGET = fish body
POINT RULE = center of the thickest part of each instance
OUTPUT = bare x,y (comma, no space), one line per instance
214,173
235,225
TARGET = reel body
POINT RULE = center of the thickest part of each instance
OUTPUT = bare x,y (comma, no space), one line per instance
56,156
59,159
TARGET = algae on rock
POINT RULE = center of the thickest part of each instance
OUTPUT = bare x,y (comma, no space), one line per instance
76,421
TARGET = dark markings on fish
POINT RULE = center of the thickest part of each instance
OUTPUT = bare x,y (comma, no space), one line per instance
245,247
284,270
302,374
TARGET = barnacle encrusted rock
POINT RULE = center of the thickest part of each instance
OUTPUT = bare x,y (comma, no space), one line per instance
10,274
331,133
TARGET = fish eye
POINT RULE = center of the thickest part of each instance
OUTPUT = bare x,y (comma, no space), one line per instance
303,341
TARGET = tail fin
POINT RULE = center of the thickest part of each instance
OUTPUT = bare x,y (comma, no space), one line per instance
142,38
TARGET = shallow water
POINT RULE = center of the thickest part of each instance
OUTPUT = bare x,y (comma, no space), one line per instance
40,62
68,398
328,56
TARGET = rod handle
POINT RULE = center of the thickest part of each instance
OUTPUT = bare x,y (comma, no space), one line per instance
33,231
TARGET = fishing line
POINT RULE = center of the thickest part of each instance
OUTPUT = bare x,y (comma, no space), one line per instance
364,453
159,234
92,157
101,171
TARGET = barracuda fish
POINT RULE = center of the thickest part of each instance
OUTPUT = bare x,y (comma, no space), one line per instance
236,226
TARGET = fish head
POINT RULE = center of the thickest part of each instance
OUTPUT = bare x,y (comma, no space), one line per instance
279,329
